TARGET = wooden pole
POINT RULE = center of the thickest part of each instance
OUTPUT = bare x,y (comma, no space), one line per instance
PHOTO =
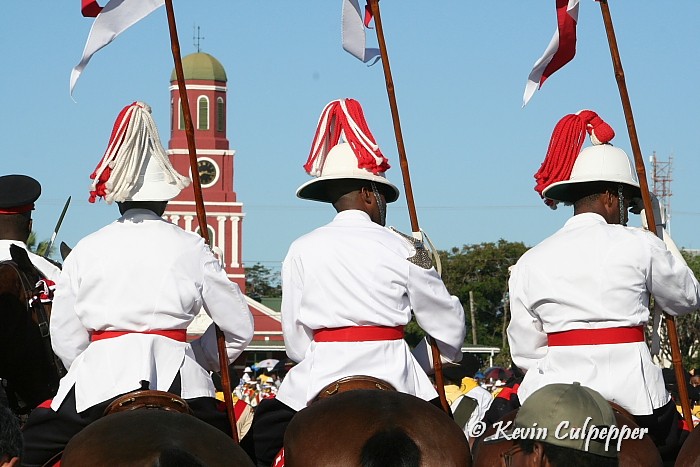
199,204
403,161
646,198
506,311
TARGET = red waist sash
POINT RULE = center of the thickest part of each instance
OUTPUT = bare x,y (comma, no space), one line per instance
175,334
620,335
359,334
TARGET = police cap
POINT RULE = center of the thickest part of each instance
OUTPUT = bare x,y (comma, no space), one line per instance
18,193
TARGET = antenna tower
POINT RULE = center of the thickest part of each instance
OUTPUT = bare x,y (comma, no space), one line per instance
661,178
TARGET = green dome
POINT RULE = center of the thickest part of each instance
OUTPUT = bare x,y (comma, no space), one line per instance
203,66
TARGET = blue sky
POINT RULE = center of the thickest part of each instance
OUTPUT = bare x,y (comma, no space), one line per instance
459,70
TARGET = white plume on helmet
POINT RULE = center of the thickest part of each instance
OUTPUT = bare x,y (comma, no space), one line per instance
135,166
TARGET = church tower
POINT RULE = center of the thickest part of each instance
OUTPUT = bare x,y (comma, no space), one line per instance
205,80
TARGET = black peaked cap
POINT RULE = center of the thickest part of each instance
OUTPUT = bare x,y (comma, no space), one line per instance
18,190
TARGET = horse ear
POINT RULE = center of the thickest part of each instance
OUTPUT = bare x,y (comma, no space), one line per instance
65,250
21,258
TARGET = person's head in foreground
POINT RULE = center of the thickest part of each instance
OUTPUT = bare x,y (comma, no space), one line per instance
562,425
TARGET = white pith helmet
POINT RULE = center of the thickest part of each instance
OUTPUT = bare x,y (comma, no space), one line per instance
599,163
341,163
152,184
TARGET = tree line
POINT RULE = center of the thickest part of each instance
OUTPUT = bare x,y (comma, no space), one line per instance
478,275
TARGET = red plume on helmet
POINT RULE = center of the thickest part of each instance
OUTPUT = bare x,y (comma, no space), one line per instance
344,118
565,145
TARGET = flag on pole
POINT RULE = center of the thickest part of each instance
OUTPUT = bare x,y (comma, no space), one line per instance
90,8
560,51
116,17
353,31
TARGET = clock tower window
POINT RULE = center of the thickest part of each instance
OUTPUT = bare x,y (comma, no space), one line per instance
220,114
203,113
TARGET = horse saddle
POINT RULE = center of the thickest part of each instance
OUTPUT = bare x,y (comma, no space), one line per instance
148,399
353,382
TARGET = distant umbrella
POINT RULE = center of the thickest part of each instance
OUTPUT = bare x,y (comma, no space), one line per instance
283,366
266,364
496,372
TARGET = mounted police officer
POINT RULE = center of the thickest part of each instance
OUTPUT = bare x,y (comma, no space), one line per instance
127,294
348,289
580,299
18,193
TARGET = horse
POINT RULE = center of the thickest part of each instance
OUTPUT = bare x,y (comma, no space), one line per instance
689,455
27,363
150,437
369,427
633,452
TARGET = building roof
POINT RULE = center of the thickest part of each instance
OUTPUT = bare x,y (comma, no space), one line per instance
268,326
201,66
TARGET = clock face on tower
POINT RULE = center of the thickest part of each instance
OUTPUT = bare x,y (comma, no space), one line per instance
208,172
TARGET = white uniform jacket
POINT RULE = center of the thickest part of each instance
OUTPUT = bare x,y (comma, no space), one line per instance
142,273
592,275
48,269
354,272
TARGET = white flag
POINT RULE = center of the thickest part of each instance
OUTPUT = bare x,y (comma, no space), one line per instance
559,52
116,17
353,32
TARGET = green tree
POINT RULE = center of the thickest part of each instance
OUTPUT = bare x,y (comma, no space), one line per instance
483,270
261,281
687,326
40,247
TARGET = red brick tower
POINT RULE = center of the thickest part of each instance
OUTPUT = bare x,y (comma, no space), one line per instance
205,79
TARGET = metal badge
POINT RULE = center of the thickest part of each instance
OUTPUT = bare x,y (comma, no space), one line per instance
422,257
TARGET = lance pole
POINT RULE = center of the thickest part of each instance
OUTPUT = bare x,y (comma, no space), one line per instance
646,198
403,161
199,204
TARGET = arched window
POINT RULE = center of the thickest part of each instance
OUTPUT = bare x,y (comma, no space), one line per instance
181,117
220,114
172,115
212,234
203,113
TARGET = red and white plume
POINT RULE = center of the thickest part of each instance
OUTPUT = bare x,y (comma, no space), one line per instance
116,17
560,51
134,136
343,118
353,31
565,145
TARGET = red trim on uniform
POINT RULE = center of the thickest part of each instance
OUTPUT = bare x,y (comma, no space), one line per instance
359,334
279,459
507,392
45,405
175,334
17,209
621,335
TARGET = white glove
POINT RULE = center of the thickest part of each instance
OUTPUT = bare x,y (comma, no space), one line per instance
423,354
665,236
659,214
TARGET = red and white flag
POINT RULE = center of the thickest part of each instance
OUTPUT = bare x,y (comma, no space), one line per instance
116,17
560,51
353,31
